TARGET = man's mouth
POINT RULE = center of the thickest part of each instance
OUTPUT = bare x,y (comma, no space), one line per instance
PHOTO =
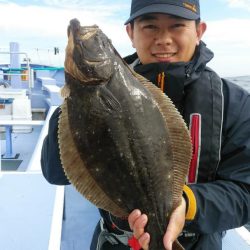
164,56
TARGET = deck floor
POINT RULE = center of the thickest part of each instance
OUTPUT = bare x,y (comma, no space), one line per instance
80,220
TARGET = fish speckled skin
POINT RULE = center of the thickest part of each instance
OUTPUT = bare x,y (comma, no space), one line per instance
123,144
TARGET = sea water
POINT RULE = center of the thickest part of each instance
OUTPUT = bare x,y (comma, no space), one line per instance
243,81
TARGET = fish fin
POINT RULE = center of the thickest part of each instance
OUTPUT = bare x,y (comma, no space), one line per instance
65,91
179,136
76,170
108,100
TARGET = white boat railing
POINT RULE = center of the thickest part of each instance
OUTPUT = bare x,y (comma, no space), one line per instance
244,234
8,124
34,164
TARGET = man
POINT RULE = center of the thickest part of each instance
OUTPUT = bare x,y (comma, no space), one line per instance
169,52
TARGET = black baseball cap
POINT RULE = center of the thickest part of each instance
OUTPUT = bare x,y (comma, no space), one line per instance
188,9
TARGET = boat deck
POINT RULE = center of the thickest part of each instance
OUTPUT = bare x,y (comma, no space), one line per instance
80,219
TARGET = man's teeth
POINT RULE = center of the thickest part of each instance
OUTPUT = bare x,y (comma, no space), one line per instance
164,55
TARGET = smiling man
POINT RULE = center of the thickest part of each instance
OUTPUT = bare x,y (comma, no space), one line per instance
166,35
165,38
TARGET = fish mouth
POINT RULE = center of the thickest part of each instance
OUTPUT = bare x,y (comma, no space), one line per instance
88,54
94,62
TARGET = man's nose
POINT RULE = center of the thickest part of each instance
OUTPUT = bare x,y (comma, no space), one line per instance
163,38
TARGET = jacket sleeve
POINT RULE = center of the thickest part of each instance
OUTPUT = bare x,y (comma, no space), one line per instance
50,159
225,203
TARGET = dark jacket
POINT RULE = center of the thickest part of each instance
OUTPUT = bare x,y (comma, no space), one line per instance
222,185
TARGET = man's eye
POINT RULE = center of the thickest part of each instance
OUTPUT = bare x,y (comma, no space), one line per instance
178,25
149,26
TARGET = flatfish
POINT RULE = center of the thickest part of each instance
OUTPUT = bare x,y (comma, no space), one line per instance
123,144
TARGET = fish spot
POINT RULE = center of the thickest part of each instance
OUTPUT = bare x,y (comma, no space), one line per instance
97,169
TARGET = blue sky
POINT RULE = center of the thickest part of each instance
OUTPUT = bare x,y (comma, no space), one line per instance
39,26
222,9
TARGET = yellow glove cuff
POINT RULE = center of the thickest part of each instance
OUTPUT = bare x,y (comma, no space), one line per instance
191,203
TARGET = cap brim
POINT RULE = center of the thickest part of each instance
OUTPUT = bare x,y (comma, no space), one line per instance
165,9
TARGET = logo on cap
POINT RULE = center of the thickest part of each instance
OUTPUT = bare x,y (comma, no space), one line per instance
190,6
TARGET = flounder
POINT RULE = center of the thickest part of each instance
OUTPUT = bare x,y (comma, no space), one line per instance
123,144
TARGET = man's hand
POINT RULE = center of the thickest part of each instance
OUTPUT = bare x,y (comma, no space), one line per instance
175,226
138,221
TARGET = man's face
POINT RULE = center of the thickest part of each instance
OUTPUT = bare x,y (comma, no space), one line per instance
164,38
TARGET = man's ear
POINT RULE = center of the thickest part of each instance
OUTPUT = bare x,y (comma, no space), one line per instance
130,33
201,28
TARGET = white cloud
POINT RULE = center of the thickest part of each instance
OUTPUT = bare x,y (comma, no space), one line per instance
244,4
100,5
45,27
63,2
44,21
230,41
